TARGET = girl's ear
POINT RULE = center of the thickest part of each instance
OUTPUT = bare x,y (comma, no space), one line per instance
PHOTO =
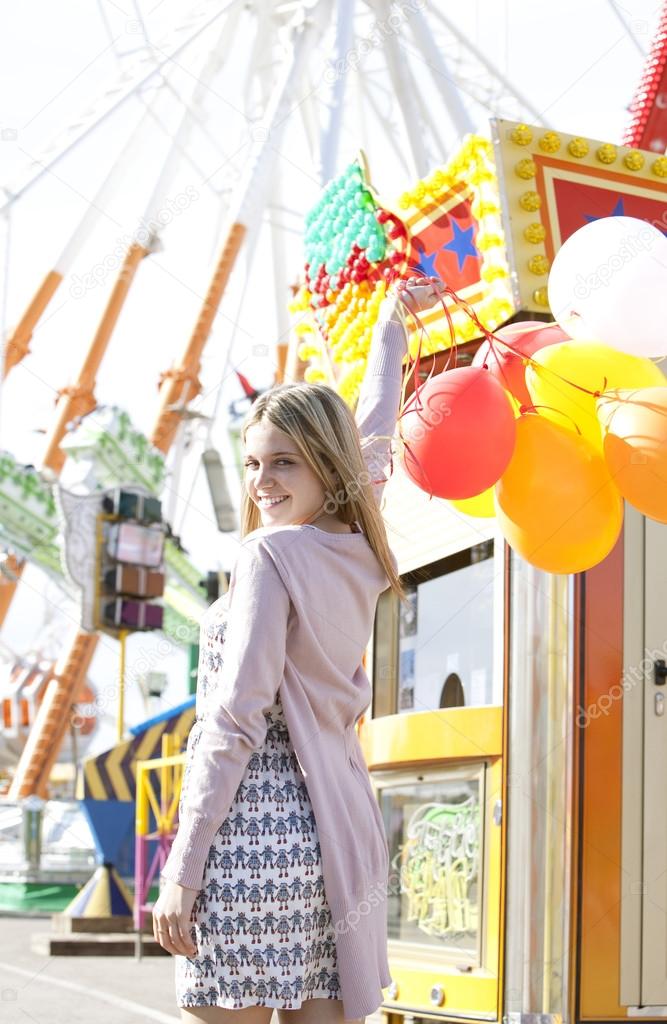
331,469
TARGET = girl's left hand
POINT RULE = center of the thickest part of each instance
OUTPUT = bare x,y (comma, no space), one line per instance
171,919
420,293
414,295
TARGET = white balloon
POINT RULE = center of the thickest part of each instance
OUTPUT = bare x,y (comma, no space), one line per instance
608,282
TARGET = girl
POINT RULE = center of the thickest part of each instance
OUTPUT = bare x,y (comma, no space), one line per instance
276,883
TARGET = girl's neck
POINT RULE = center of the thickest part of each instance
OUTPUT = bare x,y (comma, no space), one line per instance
328,523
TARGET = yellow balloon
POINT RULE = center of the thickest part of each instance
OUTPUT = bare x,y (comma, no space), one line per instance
591,365
556,503
481,506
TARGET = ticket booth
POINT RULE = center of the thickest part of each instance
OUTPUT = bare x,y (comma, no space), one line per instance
434,745
472,758
517,747
517,736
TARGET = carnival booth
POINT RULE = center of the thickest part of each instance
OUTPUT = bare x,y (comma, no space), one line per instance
516,737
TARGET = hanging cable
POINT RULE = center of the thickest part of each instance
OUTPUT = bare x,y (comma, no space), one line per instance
627,28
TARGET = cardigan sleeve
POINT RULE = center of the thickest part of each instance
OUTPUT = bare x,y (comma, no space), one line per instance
379,396
248,677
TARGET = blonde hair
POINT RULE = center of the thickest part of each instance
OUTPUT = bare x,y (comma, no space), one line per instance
321,425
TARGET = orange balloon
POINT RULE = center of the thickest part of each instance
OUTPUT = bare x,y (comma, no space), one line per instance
556,503
635,446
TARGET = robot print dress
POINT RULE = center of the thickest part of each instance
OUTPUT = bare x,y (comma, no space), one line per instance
261,921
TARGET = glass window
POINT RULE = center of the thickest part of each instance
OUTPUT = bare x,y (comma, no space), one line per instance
439,650
434,827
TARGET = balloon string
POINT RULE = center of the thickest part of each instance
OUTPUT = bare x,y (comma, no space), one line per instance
500,367
415,401
540,369
529,408
416,404
421,468
493,340
652,406
453,349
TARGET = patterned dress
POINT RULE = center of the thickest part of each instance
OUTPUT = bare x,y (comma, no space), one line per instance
261,921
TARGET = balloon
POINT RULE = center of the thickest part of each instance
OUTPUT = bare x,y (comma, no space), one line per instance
525,337
592,366
481,506
609,281
461,438
556,503
635,446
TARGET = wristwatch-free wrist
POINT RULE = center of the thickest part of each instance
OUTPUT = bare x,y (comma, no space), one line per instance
391,310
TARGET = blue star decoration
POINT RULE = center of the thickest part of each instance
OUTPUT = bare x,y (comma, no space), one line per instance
618,211
426,263
462,244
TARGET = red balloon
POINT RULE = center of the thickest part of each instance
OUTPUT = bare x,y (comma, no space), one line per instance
460,437
526,337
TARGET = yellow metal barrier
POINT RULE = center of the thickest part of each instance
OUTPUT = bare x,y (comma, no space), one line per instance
164,805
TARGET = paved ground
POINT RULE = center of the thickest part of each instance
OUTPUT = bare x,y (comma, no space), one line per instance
59,990
74,990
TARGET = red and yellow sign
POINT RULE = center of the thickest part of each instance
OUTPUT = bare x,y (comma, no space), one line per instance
554,184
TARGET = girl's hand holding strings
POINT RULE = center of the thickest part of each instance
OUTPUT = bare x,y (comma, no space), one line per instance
411,296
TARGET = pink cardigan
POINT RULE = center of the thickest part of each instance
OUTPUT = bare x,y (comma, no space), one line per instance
301,605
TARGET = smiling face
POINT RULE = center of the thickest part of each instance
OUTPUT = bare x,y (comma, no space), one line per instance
279,480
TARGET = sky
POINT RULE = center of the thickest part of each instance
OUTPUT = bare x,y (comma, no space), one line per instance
576,64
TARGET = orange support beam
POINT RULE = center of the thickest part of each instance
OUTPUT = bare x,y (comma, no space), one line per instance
46,735
181,384
14,570
48,732
282,349
18,344
178,386
79,398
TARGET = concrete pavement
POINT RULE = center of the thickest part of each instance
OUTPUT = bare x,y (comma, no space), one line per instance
66,990
38,989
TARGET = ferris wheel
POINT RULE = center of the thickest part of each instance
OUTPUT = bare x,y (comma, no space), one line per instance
254,106
259,104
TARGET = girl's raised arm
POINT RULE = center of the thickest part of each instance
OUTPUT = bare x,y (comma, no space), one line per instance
377,406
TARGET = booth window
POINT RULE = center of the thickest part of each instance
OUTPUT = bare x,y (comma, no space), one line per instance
438,650
435,829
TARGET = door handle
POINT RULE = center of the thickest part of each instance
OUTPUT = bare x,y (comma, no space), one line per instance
660,672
